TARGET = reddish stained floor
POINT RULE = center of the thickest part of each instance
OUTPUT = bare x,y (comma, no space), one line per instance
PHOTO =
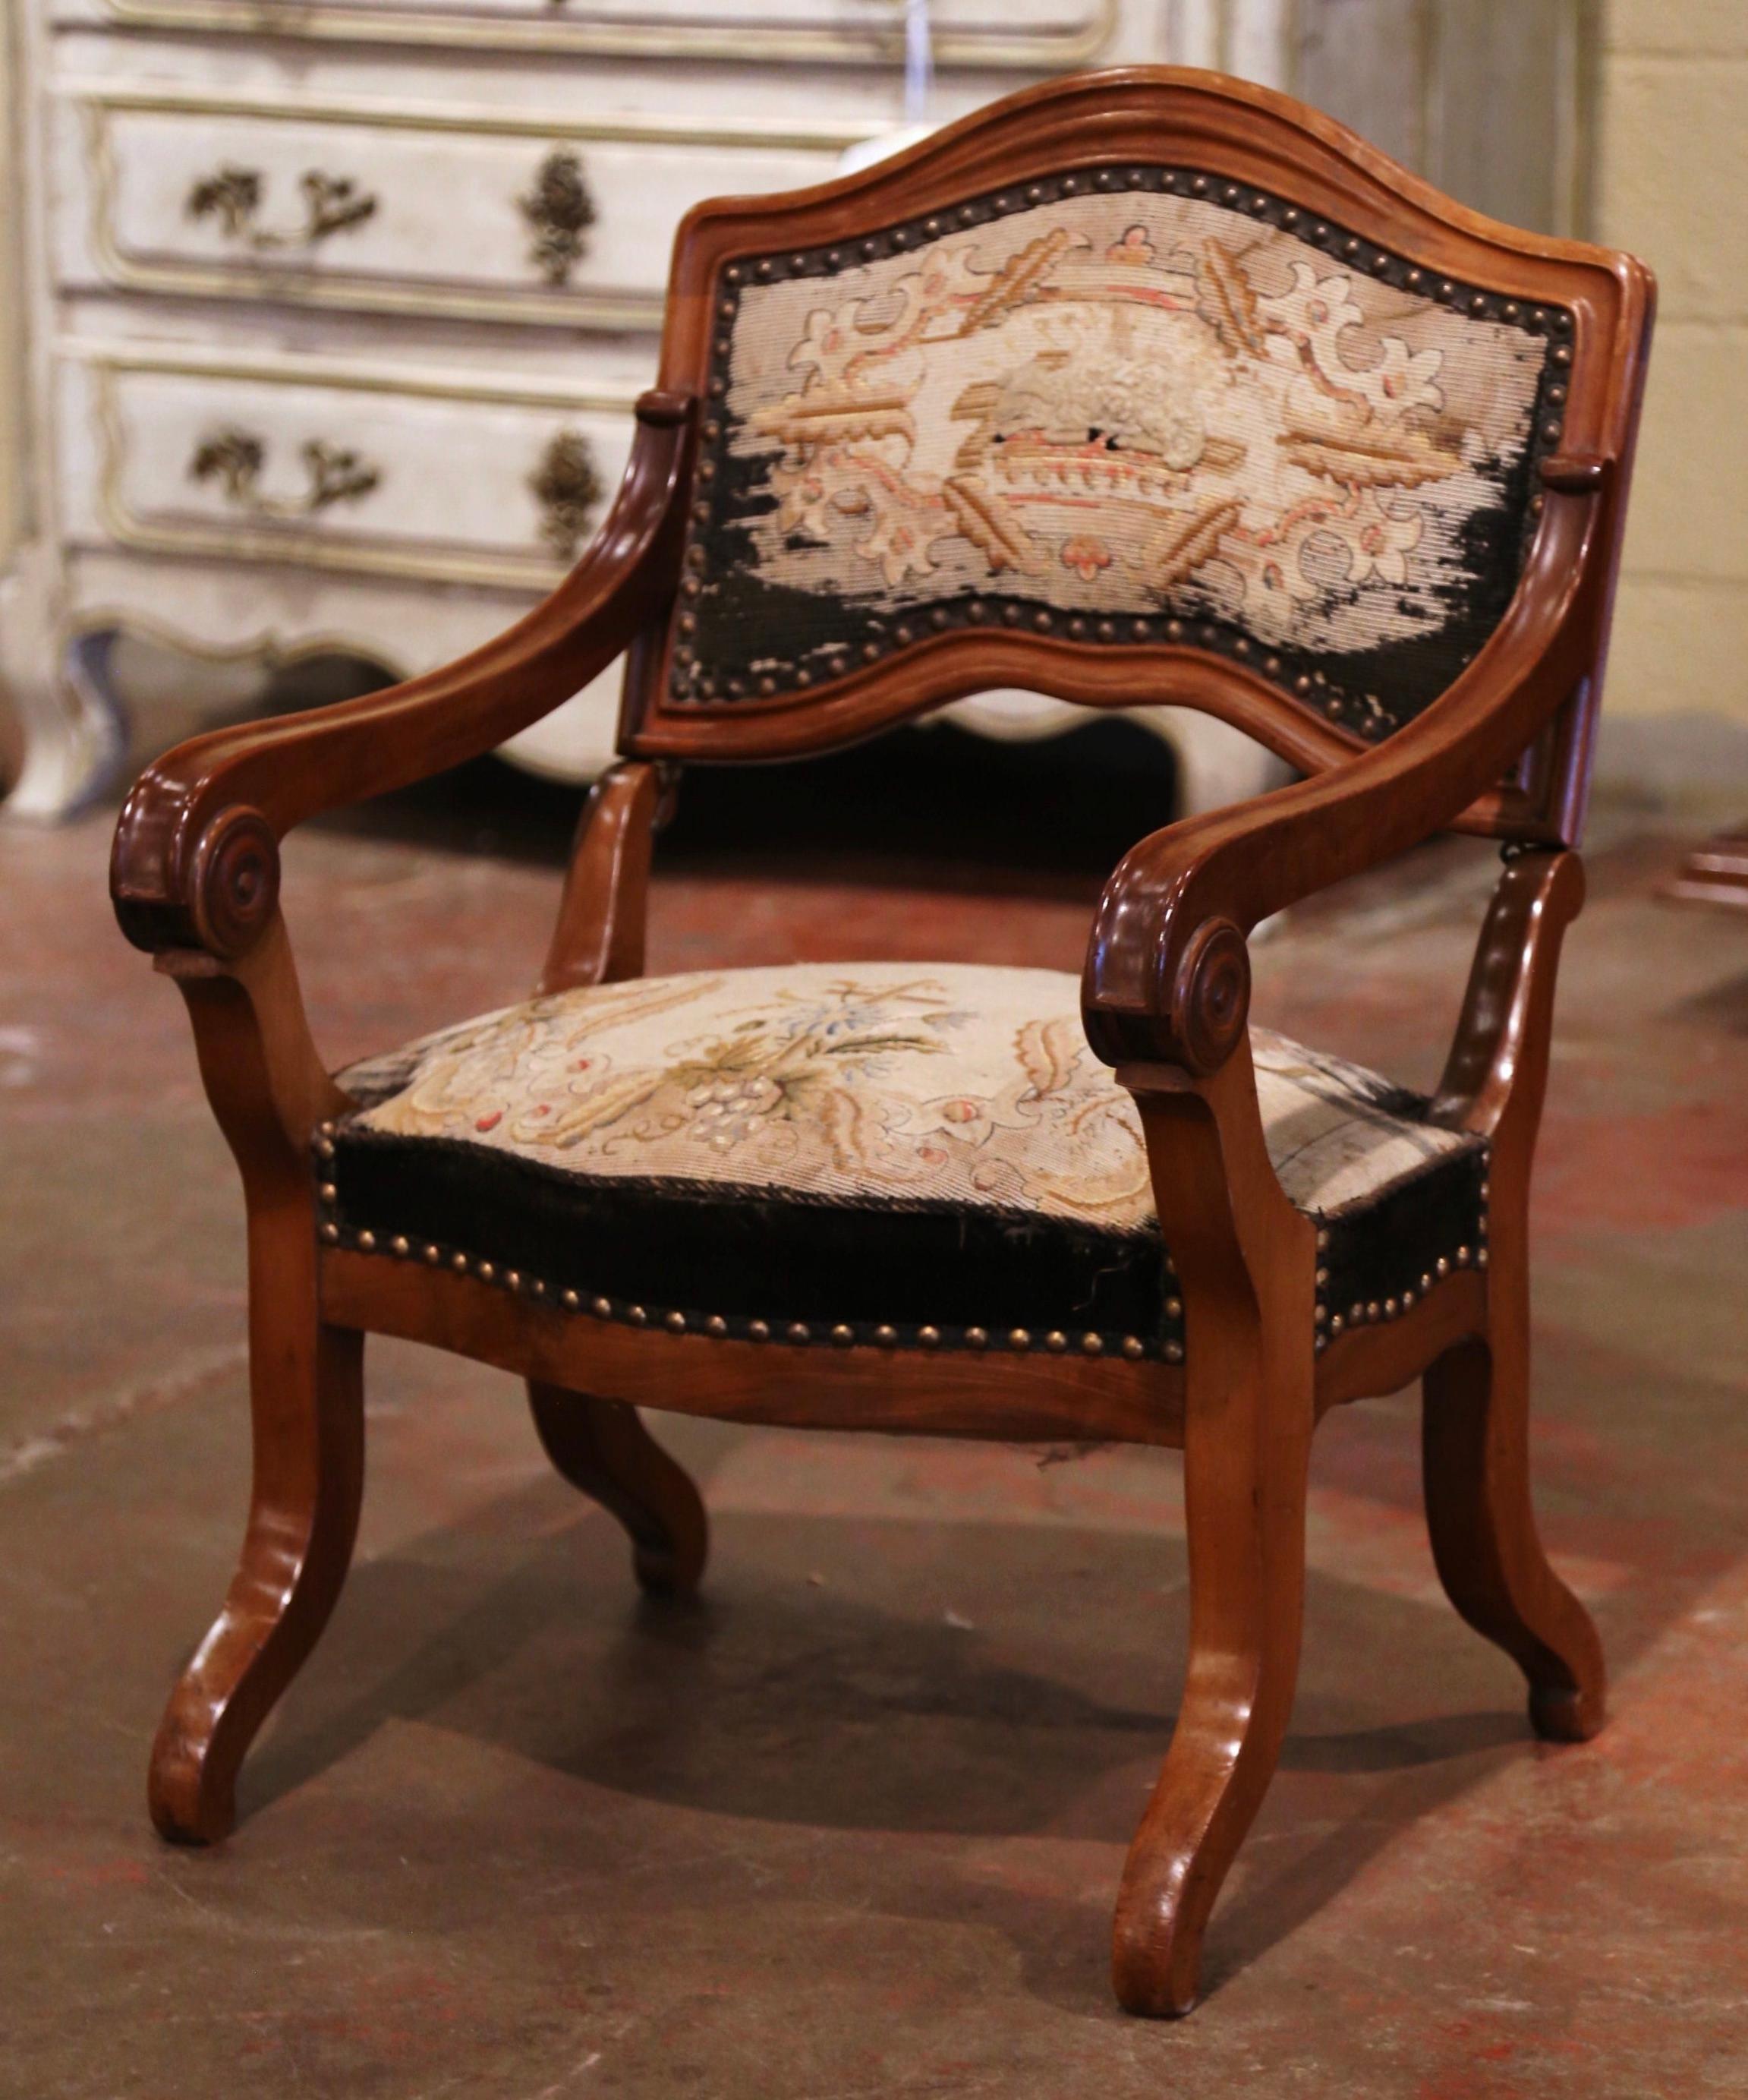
852,1827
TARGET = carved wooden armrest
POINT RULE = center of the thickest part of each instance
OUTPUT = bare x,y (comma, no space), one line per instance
1167,979
196,863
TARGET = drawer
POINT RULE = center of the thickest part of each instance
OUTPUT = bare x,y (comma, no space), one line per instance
321,465
1039,35
396,209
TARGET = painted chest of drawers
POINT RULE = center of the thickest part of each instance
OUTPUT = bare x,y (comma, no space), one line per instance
336,309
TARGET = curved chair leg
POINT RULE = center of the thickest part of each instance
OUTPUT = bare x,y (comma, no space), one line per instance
602,1447
1475,1448
307,1402
1244,1488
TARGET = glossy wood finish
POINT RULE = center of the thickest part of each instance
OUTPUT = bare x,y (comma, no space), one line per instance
1246,1259
1475,1433
1166,996
268,1090
602,1447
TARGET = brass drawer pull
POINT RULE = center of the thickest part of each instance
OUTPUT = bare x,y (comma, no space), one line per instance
560,211
567,488
235,459
331,204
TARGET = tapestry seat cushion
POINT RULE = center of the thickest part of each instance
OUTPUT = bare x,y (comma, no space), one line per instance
918,1155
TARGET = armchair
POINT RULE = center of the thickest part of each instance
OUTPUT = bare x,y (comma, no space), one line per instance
1138,387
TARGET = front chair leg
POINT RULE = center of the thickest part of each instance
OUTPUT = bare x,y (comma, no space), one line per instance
602,1447
306,1383
1475,1445
1244,1490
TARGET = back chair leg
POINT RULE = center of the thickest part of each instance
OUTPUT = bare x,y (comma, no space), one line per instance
306,1390
602,1447
1475,1448
1245,1463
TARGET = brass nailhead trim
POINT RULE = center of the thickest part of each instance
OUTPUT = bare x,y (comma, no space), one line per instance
717,1325
1019,1338
330,1232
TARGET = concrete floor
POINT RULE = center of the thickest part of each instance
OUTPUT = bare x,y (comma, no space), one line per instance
851,1826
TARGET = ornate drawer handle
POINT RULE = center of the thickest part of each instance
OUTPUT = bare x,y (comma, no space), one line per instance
567,486
559,211
235,459
331,205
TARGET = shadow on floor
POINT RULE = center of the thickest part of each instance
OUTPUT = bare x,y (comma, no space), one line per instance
817,1685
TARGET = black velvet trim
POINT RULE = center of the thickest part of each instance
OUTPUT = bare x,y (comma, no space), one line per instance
745,1256
738,637
1389,1244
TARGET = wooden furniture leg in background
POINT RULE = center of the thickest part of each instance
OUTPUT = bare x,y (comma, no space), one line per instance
602,1447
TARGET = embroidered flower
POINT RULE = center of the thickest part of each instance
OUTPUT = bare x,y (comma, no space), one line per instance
1380,542
1404,378
1086,555
1134,247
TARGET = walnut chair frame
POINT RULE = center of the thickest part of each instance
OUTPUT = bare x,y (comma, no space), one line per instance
1503,752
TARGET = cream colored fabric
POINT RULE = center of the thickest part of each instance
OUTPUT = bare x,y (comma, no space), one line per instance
1118,403
946,1084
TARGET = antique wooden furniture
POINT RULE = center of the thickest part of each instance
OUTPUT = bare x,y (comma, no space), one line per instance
336,311
1714,873
1145,384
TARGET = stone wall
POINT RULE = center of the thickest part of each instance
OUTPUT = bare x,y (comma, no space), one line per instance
1671,162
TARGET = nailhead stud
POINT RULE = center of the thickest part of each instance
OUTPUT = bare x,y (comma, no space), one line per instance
1461,1257
717,1325
1426,1281
1337,1325
1056,1340
759,1330
1133,1347
398,1245
1481,1258
1407,1299
537,1289
977,1338
1391,1308
1323,1239
569,1300
842,1335
325,1148
512,1279
638,1316
1373,1309
328,1192
929,1337
458,1263
1319,1314
886,1336
433,1254
330,1233
799,1331
486,1272
675,1323
1092,1345
1175,1308
1018,1338
1441,1267
366,1242
1174,1353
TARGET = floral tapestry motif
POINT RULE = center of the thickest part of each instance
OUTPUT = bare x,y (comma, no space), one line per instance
956,1086
1133,403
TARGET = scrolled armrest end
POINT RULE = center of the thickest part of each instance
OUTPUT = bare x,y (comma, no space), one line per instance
218,896
1203,1005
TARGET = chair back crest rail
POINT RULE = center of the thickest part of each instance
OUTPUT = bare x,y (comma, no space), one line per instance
1145,386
